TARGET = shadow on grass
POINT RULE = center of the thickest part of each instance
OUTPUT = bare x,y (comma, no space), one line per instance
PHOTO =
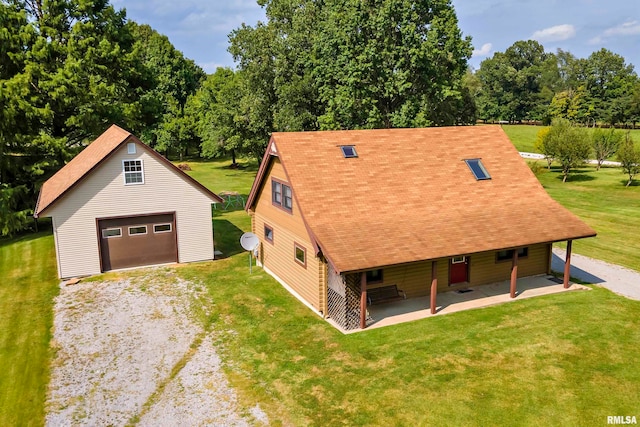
227,237
634,183
575,175
26,236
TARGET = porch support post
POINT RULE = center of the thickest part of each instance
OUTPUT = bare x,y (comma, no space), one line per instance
514,273
434,285
567,265
363,300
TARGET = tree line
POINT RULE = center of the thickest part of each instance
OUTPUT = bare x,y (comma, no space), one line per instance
525,83
70,68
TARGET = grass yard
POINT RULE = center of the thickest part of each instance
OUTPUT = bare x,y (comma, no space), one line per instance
568,359
524,136
28,284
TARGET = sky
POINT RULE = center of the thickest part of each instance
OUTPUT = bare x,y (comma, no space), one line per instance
200,28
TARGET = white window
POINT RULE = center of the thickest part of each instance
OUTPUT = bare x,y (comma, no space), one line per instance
107,233
140,229
131,148
133,173
162,228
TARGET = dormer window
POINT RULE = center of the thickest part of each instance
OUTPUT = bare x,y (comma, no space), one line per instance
133,173
348,151
477,168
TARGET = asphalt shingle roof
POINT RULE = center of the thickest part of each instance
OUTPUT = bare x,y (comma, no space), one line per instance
89,158
410,196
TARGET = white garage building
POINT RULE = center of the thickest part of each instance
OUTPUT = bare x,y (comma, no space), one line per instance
120,204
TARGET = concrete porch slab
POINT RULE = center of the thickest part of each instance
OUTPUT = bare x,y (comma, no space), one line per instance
450,302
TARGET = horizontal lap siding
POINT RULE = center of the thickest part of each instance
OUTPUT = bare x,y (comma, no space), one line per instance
414,279
288,228
103,194
484,268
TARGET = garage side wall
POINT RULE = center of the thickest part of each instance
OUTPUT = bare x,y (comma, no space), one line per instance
103,194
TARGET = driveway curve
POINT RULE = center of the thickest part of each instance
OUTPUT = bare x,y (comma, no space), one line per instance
621,280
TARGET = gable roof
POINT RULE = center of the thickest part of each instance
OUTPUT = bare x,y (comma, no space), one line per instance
410,196
92,156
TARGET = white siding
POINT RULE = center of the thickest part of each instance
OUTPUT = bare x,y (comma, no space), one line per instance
103,194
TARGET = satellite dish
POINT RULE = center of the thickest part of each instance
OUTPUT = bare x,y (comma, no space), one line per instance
249,241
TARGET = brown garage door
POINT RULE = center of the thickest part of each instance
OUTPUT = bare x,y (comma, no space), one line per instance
139,240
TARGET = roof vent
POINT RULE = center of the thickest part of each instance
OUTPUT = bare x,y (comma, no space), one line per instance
348,151
477,168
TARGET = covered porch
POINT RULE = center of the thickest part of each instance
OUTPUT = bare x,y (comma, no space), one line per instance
351,307
392,313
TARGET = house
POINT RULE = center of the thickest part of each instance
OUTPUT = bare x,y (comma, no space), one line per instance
342,214
120,204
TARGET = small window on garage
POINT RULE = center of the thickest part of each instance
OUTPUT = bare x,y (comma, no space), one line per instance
162,228
131,148
111,232
139,229
300,254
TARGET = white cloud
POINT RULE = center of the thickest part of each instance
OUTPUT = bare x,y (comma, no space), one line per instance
483,51
555,34
630,28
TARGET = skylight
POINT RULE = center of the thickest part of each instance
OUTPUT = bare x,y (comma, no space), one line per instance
348,151
477,168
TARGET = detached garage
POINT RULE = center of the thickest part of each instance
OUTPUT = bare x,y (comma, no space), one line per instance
120,204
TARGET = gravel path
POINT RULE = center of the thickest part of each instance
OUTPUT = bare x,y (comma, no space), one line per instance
618,279
128,352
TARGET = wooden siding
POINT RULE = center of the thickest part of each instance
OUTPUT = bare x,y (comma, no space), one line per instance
279,256
103,194
415,278
484,268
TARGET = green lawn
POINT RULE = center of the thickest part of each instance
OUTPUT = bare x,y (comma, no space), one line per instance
601,199
28,284
568,359
524,136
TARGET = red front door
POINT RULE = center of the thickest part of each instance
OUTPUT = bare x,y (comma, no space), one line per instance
459,270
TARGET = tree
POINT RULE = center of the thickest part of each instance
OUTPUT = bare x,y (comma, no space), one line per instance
517,84
568,104
334,64
394,63
605,143
68,69
223,123
609,82
169,79
629,158
567,144
541,147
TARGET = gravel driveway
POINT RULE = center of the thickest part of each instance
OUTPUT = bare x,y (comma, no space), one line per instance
618,279
129,352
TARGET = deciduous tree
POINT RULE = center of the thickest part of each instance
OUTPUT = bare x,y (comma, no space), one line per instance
568,145
605,143
629,158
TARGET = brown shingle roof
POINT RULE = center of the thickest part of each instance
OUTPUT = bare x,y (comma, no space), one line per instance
89,158
409,195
